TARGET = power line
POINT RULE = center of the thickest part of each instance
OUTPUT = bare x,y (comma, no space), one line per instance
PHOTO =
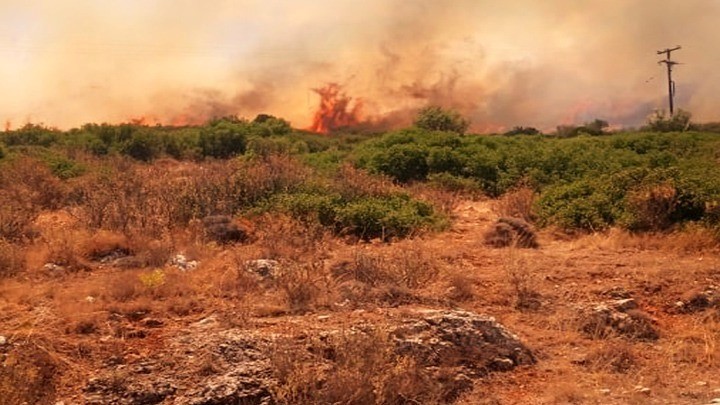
669,63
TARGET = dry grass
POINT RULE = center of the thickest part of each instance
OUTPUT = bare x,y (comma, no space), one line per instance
12,259
352,367
522,280
653,206
93,317
517,203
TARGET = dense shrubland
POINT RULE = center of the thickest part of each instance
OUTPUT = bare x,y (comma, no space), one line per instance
639,181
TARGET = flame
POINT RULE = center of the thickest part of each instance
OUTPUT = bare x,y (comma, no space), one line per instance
335,110
178,120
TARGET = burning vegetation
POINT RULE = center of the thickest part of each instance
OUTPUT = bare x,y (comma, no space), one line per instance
337,110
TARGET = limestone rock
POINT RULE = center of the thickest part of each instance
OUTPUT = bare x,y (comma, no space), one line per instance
460,338
618,317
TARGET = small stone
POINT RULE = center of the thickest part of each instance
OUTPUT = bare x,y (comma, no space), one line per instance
323,317
702,383
90,299
152,323
715,401
206,322
265,268
642,390
604,391
183,264
502,364
3,340
625,305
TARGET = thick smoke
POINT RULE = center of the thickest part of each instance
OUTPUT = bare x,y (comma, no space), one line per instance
522,63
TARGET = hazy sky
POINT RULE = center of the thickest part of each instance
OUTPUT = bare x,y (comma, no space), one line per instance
502,63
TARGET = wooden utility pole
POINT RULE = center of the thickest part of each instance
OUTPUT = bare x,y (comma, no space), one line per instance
671,84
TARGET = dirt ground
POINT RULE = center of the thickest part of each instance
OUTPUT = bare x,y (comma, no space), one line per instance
62,327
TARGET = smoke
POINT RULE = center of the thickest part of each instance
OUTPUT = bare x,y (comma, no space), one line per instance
523,63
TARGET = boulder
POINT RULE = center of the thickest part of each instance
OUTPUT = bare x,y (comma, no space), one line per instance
621,317
455,338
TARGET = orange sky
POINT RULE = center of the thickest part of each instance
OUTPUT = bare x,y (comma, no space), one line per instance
521,62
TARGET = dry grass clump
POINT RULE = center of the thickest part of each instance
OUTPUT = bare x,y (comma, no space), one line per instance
460,288
409,267
517,203
305,286
355,183
353,367
615,356
522,281
103,244
12,259
27,187
390,278
653,206
283,237
511,232
222,229
28,375
690,240
152,201
697,343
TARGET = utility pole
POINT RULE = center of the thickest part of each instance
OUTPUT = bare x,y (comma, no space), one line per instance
669,63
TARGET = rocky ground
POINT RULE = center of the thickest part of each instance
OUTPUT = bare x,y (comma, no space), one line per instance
609,318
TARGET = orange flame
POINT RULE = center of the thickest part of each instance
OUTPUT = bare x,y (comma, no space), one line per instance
335,111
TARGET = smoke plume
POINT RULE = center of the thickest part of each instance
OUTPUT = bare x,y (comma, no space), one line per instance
524,63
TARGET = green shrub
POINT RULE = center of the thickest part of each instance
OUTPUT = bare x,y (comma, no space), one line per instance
435,118
374,217
584,204
63,167
142,145
311,207
223,139
403,162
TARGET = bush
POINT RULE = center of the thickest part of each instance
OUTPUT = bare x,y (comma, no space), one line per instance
403,162
273,125
583,204
659,122
522,131
376,217
143,145
435,118
63,167
223,139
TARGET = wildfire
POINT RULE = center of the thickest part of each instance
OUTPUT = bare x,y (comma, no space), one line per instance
335,110
178,120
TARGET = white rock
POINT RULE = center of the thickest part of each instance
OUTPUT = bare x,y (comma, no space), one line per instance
90,299
182,263
3,340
